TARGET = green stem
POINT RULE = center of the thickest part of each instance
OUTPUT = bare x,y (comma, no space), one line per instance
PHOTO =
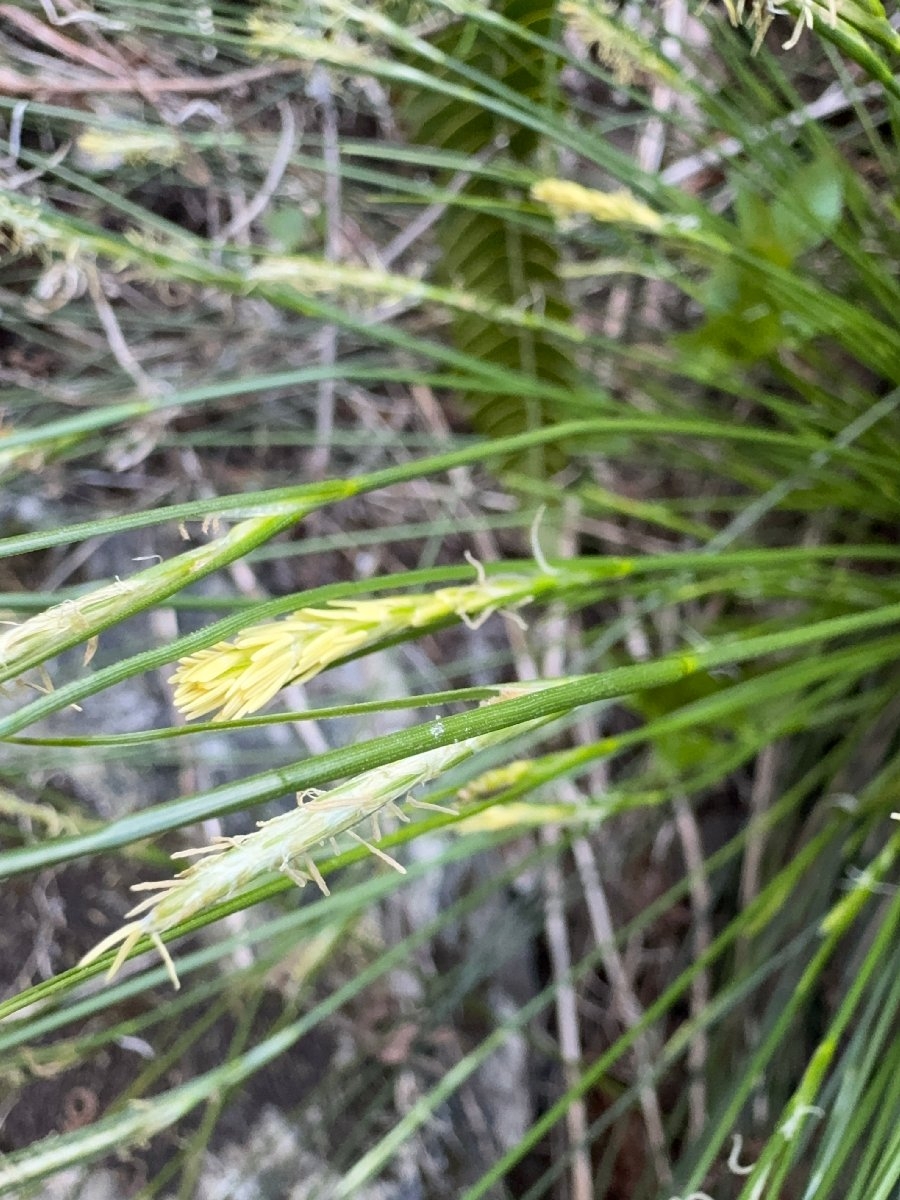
351,760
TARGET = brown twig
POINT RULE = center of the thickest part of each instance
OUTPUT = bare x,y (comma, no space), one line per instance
14,84
66,47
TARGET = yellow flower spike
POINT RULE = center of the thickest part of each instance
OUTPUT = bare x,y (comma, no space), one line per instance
619,208
519,816
236,678
284,845
108,149
268,36
497,779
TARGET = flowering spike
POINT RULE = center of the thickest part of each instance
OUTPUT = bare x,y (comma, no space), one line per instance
25,646
236,678
232,864
619,208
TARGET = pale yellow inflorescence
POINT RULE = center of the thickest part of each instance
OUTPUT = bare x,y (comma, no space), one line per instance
45,631
80,619
271,36
623,49
235,678
108,149
285,844
619,208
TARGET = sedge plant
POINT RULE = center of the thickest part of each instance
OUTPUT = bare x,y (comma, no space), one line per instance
456,437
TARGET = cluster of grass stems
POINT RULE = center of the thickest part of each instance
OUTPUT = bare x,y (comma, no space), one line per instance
713,620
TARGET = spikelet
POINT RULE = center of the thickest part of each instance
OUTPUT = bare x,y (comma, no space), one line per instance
620,208
79,620
109,149
233,679
624,51
284,845
42,634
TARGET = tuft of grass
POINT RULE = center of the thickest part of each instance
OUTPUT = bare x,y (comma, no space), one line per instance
330,331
